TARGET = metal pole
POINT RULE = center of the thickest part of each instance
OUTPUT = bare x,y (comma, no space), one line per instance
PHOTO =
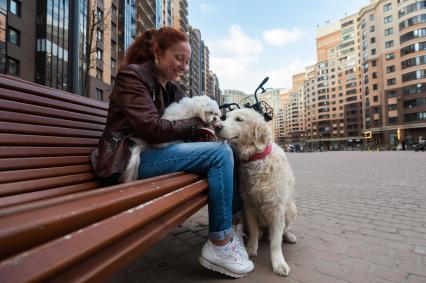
75,37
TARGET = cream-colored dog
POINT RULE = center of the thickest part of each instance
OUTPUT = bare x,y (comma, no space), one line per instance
202,107
266,182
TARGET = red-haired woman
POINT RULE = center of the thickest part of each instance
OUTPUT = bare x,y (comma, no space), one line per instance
144,87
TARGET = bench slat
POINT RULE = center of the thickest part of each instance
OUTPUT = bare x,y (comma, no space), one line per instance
49,112
24,97
31,140
26,129
86,208
20,85
41,162
30,151
39,173
47,121
46,198
46,183
99,267
20,202
61,253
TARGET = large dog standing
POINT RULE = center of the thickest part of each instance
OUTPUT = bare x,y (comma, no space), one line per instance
266,182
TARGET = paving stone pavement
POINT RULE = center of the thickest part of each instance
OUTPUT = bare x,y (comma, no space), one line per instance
362,218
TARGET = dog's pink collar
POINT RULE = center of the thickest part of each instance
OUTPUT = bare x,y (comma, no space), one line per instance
261,155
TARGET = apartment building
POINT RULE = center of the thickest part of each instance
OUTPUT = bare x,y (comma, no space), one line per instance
330,97
393,76
41,45
145,15
195,68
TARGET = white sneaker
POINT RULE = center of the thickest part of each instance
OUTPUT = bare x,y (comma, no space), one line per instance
238,231
229,262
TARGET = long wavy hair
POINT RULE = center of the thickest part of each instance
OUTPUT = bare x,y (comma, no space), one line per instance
144,47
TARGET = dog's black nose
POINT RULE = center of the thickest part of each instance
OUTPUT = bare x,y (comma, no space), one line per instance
223,117
217,127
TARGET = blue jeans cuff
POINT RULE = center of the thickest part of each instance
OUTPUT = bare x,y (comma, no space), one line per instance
221,235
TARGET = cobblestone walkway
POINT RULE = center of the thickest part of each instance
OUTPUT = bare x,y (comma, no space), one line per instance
362,218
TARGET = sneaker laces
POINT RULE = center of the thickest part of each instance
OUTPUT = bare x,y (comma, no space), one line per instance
239,233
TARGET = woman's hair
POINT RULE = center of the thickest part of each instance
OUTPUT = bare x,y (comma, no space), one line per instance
142,49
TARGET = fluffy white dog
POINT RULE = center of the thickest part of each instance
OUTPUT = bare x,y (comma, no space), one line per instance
202,107
266,182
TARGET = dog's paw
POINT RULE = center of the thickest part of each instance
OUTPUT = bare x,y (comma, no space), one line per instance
252,249
281,268
289,238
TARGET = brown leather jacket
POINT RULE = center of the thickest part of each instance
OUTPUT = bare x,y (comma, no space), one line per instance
137,102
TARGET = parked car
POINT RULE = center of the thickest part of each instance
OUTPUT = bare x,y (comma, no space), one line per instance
420,146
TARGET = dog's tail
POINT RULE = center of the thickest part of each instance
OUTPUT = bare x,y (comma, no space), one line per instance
132,170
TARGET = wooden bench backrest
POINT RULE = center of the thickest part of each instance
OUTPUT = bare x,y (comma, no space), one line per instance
46,137
51,202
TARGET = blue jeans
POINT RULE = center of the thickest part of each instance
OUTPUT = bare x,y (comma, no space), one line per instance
215,159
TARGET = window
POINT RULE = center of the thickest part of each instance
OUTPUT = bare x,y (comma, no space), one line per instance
14,36
391,81
387,7
412,34
388,31
15,7
419,60
375,86
113,10
372,17
373,40
373,51
99,74
392,107
13,66
415,75
390,69
375,98
419,46
99,54
113,28
112,81
99,34
393,120
389,44
113,64
372,29
391,94
99,94
374,63
388,19
390,56
99,15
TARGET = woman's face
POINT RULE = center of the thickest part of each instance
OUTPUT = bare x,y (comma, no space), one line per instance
173,62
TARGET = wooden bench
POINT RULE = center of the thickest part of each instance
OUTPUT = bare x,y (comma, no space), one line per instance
58,221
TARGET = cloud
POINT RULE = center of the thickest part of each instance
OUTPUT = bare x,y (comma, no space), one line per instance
232,57
236,59
283,76
283,37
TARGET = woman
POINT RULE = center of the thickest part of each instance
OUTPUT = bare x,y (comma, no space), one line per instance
143,89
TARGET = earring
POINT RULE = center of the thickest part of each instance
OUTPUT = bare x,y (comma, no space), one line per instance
156,61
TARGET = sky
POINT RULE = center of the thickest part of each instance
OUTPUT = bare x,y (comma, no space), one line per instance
251,39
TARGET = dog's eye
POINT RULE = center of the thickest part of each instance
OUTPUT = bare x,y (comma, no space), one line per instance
238,119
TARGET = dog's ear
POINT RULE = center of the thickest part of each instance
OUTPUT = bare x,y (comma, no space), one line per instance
262,135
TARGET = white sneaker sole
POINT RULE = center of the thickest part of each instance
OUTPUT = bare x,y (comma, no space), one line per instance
209,265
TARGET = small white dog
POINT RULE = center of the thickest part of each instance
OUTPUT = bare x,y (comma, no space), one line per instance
202,107
266,182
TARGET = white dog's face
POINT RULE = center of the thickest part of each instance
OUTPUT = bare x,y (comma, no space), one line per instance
244,127
209,110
